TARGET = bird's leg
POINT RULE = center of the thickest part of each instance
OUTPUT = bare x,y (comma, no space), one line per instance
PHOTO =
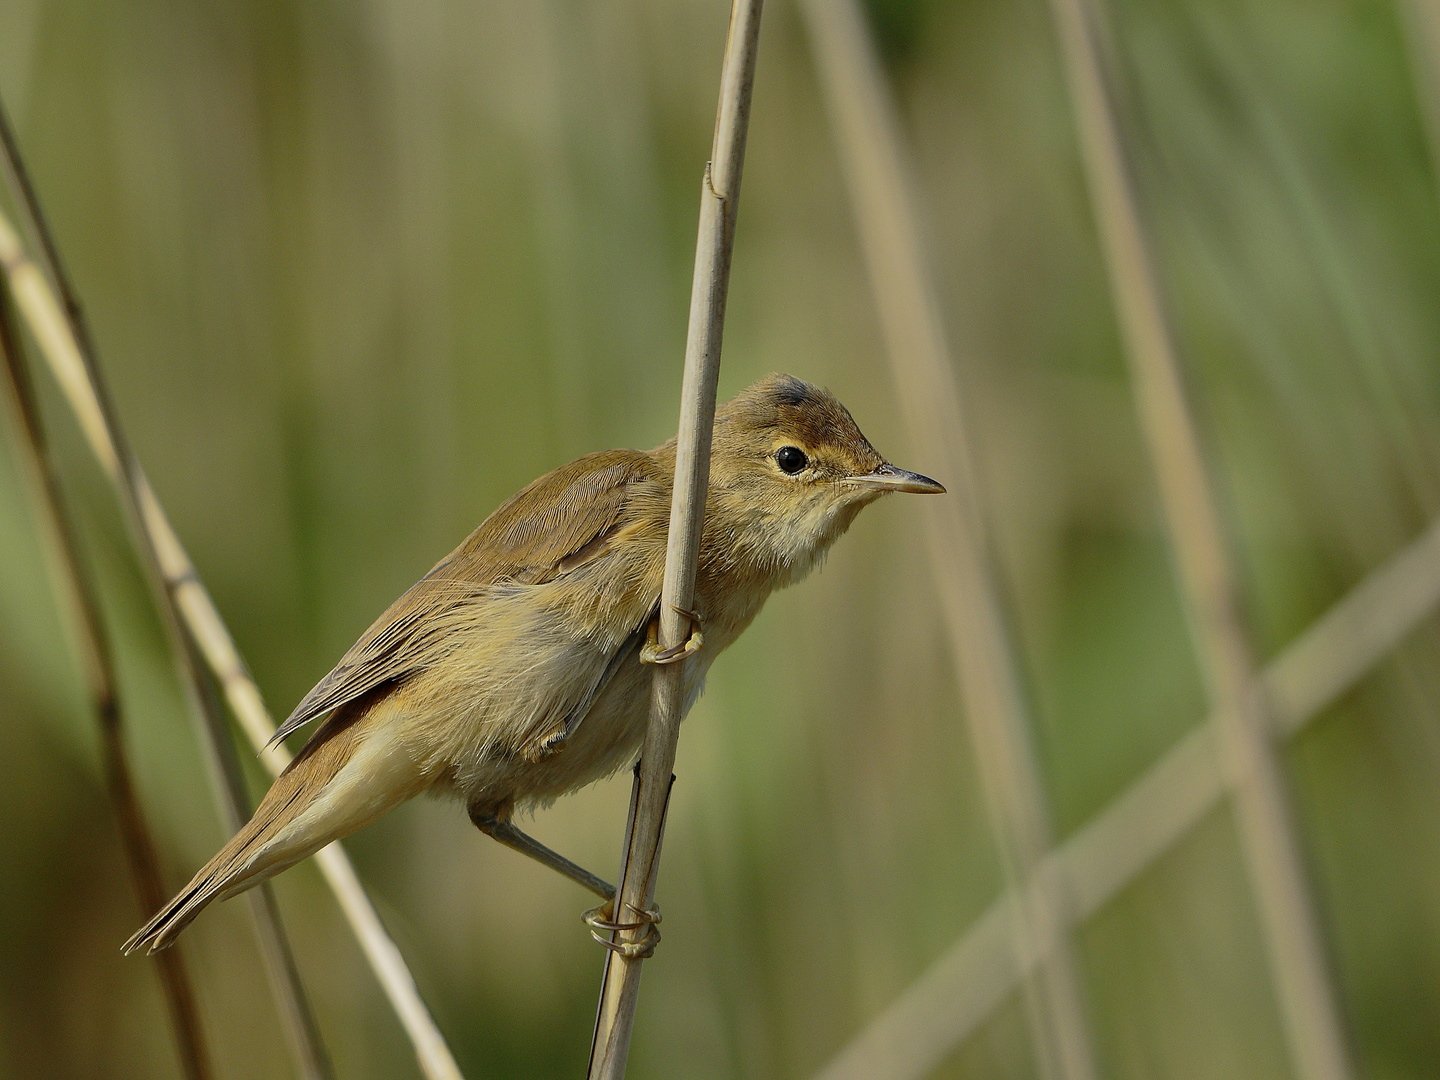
498,826
651,653
602,921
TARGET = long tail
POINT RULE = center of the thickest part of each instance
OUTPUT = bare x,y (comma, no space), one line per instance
318,782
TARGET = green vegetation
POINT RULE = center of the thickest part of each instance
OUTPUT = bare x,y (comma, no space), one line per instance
359,273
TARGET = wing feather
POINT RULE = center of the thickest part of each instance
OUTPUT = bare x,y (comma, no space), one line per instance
559,522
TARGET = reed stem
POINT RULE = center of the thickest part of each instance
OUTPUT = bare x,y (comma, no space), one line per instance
78,595
719,204
61,332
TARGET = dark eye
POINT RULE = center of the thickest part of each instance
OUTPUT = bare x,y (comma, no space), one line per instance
791,459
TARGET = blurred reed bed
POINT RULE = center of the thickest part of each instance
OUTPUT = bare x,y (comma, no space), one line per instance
359,273
993,697
1200,544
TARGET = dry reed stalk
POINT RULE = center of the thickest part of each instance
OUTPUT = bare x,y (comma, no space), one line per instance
226,776
74,586
975,975
63,339
1290,925
867,133
719,205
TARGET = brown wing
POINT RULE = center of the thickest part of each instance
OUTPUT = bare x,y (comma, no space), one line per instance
560,521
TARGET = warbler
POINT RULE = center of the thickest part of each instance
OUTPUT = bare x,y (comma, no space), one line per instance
514,671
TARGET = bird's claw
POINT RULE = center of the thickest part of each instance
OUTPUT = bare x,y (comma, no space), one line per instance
651,653
601,921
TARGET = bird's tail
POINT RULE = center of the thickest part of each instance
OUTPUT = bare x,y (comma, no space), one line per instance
266,844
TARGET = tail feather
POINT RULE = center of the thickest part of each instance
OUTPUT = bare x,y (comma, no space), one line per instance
251,856
226,872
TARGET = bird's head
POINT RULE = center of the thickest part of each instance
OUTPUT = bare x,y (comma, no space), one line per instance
790,469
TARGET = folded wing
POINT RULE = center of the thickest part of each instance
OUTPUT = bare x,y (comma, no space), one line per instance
559,522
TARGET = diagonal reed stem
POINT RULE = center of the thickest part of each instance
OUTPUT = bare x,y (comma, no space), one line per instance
975,975
719,205
226,775
867,132
1268,833
77,592
63,338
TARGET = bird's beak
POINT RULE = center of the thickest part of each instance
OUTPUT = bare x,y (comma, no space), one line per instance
888,478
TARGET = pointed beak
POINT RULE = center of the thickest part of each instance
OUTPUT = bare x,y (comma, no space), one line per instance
888,478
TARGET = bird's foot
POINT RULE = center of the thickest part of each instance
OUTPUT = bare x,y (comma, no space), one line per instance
601,921
651,653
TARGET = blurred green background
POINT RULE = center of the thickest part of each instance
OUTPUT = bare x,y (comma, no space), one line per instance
359,271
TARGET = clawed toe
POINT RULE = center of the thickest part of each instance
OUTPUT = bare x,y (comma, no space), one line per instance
602,923
651,653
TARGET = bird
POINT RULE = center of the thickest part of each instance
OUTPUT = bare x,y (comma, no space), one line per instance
517,669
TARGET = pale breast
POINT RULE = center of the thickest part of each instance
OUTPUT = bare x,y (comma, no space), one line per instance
606,740
489,723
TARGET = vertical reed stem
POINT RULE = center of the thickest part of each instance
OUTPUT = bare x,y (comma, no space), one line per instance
869,143
719,203
78,596
1200,549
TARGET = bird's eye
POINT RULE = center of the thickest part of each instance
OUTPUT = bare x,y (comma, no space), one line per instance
791,459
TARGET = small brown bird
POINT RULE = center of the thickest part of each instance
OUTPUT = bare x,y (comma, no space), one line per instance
513,671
